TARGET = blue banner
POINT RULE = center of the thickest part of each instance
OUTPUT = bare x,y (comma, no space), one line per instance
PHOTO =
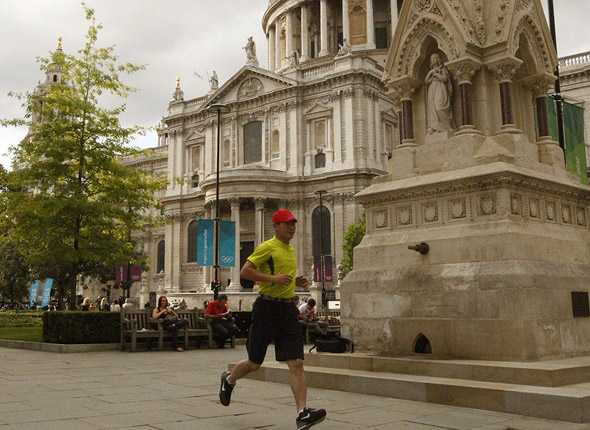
33,295
47,292
227,239
205,242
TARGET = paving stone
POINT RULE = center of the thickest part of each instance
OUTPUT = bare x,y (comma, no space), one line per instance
171,391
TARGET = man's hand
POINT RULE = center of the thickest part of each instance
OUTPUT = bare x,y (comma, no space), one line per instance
301,281
283,279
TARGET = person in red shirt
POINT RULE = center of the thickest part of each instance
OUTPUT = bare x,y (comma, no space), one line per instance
221,321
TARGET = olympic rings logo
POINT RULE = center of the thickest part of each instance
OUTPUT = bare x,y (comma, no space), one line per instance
226,259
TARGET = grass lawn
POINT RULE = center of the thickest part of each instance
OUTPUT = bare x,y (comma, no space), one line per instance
31,334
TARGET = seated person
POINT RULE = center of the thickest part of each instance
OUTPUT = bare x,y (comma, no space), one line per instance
171,321
223,326
307,311
302,318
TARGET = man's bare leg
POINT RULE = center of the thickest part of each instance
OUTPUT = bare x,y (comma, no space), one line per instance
298,383
241,369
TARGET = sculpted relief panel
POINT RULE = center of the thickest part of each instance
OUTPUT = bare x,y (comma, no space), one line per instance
250,88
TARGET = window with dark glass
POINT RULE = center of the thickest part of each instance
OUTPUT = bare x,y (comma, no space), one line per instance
253,142
381,38
192,242
320,160
160,260
320,230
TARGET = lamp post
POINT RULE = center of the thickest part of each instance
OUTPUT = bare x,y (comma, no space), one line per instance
322,262
557,92
215,284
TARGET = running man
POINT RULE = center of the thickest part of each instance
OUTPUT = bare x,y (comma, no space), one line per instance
274,318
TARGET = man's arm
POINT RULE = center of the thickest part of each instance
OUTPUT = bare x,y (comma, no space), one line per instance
250,272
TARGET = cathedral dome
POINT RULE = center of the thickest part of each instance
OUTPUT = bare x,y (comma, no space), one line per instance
300,31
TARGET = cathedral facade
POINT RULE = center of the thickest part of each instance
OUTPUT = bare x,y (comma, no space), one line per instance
316,119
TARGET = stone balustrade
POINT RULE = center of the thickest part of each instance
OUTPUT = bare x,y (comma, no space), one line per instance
573,61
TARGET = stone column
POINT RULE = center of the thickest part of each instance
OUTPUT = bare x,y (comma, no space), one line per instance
394,17
538,85
345,21
504,71
405,88
235,270
370,25
464,71
304,33
289,33
324,28
277,44
271,49
258,232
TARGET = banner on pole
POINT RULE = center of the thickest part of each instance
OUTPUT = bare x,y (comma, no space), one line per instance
325,275
47,292
573,130
121,273
227,246
33,295
205,242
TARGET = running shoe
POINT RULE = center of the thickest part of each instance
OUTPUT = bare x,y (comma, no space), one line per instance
225,389
309,417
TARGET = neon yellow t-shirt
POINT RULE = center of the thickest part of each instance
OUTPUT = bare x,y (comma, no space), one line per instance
274,257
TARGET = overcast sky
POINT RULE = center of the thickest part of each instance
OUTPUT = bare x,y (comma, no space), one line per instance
186,38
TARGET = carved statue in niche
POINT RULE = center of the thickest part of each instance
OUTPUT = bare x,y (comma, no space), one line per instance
250,49
345,49
294,58
440,90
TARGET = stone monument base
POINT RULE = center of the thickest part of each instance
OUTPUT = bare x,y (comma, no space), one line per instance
508,247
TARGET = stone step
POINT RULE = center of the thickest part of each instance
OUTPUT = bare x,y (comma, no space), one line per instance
567,403
553,373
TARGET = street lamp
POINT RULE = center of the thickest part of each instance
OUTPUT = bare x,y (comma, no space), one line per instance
215,284
557,92
322,261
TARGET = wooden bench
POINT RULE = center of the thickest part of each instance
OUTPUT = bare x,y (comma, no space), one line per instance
138,323
330,317
197,327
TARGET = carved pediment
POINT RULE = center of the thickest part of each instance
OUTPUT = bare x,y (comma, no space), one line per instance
248,83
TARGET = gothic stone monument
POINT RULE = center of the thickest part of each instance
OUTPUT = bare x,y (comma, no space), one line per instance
477,178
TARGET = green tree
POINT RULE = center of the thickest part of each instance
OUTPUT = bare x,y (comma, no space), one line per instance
14,272
78,200
352,237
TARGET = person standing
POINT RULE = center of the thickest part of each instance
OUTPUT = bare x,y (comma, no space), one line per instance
274,318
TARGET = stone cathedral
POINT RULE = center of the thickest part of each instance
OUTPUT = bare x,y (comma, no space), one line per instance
316,118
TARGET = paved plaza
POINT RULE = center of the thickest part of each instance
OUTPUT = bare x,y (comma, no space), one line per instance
177,391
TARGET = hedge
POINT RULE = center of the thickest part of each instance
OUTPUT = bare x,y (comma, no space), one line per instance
12,319
81,327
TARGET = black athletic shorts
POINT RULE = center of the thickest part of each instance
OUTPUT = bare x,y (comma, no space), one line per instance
276,322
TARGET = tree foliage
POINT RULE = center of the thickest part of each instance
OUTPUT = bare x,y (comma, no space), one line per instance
73,202
352,237
14,272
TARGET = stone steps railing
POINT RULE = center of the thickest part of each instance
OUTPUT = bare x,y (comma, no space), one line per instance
576,60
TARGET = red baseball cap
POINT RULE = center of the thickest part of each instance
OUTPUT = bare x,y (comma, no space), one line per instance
283,215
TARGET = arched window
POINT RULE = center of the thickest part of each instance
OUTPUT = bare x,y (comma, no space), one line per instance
320,160
320,134
253,142
161,257
321,227
358,26
192,242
